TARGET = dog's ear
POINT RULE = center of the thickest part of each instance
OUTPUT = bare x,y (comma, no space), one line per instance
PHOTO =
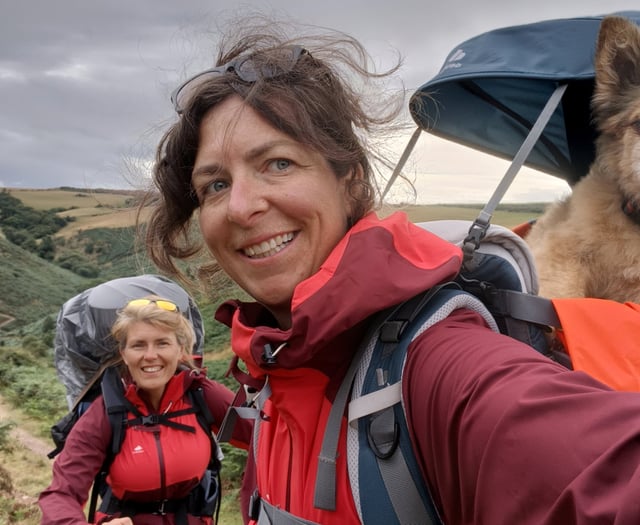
617,63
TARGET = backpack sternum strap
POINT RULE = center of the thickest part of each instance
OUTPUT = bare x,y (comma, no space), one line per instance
374,402
165,419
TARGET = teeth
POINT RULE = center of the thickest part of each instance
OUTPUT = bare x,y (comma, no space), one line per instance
270,247
151,368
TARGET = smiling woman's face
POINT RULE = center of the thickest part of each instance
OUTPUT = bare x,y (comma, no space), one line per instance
152,354
271,209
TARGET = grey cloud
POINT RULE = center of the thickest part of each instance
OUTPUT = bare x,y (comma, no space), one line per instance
84,85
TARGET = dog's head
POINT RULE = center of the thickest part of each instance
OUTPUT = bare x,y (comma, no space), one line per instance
616,102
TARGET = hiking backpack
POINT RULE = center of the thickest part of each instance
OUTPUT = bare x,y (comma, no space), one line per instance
85,356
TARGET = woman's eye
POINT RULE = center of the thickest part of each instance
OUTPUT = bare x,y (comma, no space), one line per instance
217,186
280,164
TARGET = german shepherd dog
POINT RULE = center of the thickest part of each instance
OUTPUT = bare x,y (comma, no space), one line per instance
588,245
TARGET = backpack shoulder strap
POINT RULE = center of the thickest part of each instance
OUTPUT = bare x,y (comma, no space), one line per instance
381,457
116,407
398,488
209,491
206,420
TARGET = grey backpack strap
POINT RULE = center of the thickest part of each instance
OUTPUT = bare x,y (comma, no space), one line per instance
325,490
480,225
271,515
251,410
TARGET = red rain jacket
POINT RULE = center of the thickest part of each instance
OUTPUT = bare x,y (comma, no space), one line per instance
502,434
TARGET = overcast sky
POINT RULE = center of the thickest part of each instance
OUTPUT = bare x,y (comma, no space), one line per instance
84,84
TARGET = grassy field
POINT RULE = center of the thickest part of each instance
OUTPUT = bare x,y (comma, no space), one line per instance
88,219
101,209
72,198
89,209
506,215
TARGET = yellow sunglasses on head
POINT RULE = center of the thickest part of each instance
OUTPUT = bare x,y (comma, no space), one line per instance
160,303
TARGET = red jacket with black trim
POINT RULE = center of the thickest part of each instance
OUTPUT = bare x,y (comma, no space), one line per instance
484,410
150,465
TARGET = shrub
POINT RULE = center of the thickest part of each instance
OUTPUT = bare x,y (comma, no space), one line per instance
6,484
233,465
34,345
6,443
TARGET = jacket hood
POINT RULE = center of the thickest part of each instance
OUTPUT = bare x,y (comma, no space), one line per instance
378,263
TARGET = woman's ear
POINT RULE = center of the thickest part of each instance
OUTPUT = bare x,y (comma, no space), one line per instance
358,194
353,182
358,172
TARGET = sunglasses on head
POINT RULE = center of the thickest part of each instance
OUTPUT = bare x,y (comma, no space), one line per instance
247,68
160,303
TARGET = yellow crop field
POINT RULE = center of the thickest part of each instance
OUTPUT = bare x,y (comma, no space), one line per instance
60,198
121,218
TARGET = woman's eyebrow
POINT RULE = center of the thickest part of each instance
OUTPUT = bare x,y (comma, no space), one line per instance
260,150
250,155
207,169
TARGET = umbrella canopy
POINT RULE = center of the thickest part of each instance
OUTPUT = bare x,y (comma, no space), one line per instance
83,341
492,88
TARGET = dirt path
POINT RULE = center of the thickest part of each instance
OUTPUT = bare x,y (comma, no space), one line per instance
6,319
36,444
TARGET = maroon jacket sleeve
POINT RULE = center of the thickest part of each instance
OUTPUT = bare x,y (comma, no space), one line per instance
506,436
75,468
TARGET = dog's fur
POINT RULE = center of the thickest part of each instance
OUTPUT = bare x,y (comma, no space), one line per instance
586,245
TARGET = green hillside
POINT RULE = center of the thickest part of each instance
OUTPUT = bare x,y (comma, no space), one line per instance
31,287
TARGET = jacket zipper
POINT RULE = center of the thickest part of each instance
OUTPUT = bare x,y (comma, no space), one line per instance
289,471
161,464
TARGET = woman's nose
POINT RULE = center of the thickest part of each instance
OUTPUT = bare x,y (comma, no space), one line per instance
150,353
248,198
